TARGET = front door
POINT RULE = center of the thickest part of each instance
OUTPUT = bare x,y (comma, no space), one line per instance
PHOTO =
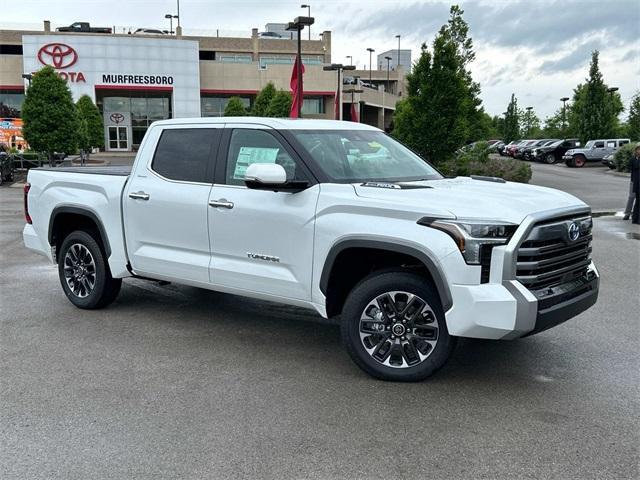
261,241
118,138
165,204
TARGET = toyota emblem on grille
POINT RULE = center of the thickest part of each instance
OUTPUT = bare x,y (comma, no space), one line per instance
574,231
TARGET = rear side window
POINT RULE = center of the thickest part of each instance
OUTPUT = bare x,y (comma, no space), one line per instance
186,154
599,145
611,144
623,142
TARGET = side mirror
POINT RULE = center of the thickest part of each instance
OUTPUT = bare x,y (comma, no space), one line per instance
266,174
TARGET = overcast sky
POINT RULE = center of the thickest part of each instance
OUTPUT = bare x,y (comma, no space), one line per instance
537,49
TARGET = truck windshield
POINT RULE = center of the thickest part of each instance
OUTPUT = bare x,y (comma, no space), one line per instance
361,156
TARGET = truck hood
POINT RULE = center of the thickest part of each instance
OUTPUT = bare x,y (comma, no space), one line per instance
469,198
573,151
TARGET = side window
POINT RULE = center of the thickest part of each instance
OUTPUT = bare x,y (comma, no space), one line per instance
598,145
186,154
256,146
611,144
623,142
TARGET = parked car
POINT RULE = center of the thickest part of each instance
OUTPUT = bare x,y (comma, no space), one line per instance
496,147
6,165
519,150
270,35
332,216
553,152
609,161
83,27
503,151
512,147
593,151
150,31
527,152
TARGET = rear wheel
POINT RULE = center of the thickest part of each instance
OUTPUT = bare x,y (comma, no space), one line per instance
393,327
549,158
84,272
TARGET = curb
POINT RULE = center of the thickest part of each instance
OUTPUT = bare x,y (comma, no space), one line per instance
606,213
618,174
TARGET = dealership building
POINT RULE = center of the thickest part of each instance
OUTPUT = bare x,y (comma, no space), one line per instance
138,79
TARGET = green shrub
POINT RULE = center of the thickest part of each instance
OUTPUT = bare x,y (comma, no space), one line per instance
476,161
622,157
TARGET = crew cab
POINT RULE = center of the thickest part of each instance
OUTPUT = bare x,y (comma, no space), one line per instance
83,27
593,151
333,216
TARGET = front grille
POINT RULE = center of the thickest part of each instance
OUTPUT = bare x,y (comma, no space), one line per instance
548,256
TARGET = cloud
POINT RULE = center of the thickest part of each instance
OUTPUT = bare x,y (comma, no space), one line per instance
572,60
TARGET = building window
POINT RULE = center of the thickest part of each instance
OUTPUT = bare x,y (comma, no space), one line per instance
233,58
207,55
289,60
11,103
213,106
8,49
313,105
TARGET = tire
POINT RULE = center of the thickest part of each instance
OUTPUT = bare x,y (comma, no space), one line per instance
579,161
570,163
423,344
84,272
549,159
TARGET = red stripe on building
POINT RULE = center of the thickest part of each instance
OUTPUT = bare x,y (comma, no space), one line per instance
19,88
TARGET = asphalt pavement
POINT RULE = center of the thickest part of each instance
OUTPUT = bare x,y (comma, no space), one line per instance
177,382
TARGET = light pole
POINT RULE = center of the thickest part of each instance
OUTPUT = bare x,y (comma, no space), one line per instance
27,77
564,112
370,50
350,57
170,18
178,11
353,91
398,62
297,25
308,7
529,120
388,59
339,68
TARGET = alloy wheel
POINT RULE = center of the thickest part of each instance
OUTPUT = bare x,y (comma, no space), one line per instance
398,329
80,270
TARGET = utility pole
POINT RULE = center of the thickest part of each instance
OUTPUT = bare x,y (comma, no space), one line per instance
308,7
388,59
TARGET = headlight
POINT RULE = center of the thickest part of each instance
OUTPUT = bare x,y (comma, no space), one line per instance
471,235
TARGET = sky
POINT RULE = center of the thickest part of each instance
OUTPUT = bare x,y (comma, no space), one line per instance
537,49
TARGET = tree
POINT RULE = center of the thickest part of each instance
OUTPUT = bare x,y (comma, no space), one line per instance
280,105
512,121
263,100
235,108
91,126
529,123
49,115
633,121
595,110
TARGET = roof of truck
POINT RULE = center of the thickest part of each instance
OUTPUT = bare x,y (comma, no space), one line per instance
277,123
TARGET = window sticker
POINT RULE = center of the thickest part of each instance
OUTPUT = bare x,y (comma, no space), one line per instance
250,155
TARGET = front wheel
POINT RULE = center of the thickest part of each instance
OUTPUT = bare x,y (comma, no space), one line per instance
393,327
579,161
549,158
84,272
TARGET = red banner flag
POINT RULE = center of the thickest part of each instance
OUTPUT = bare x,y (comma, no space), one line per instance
354,113
296,96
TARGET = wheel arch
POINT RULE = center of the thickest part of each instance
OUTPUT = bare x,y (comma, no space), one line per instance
64,219
430,264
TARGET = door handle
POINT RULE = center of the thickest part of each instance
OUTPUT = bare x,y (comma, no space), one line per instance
139,195
222,203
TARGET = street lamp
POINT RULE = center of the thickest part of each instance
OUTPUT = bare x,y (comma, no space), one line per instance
398,62
338,67
308,7
170,18
297,25
370,50
178,11
564,112
350,57
28,77
529,120
388,59
353,91
612,89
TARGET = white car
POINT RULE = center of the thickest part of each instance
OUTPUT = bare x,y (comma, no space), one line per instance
333,216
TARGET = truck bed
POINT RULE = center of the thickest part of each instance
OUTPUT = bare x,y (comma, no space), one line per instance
118,170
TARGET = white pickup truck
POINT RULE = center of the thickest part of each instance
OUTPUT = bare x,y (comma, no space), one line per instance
333,216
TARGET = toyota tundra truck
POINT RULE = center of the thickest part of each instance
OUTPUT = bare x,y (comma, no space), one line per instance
333,216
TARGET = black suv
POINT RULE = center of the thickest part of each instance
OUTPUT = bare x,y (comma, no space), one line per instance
527,152
553,152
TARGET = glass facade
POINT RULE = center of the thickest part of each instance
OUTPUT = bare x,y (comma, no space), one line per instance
11,103
145,108
214,105
313,105
289,59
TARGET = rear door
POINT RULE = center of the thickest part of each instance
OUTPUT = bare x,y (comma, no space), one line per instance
261,240
165,203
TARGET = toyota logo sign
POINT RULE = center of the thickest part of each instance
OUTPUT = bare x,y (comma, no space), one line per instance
57,55
116,118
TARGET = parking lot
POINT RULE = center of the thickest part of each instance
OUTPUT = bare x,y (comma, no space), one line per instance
173,381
